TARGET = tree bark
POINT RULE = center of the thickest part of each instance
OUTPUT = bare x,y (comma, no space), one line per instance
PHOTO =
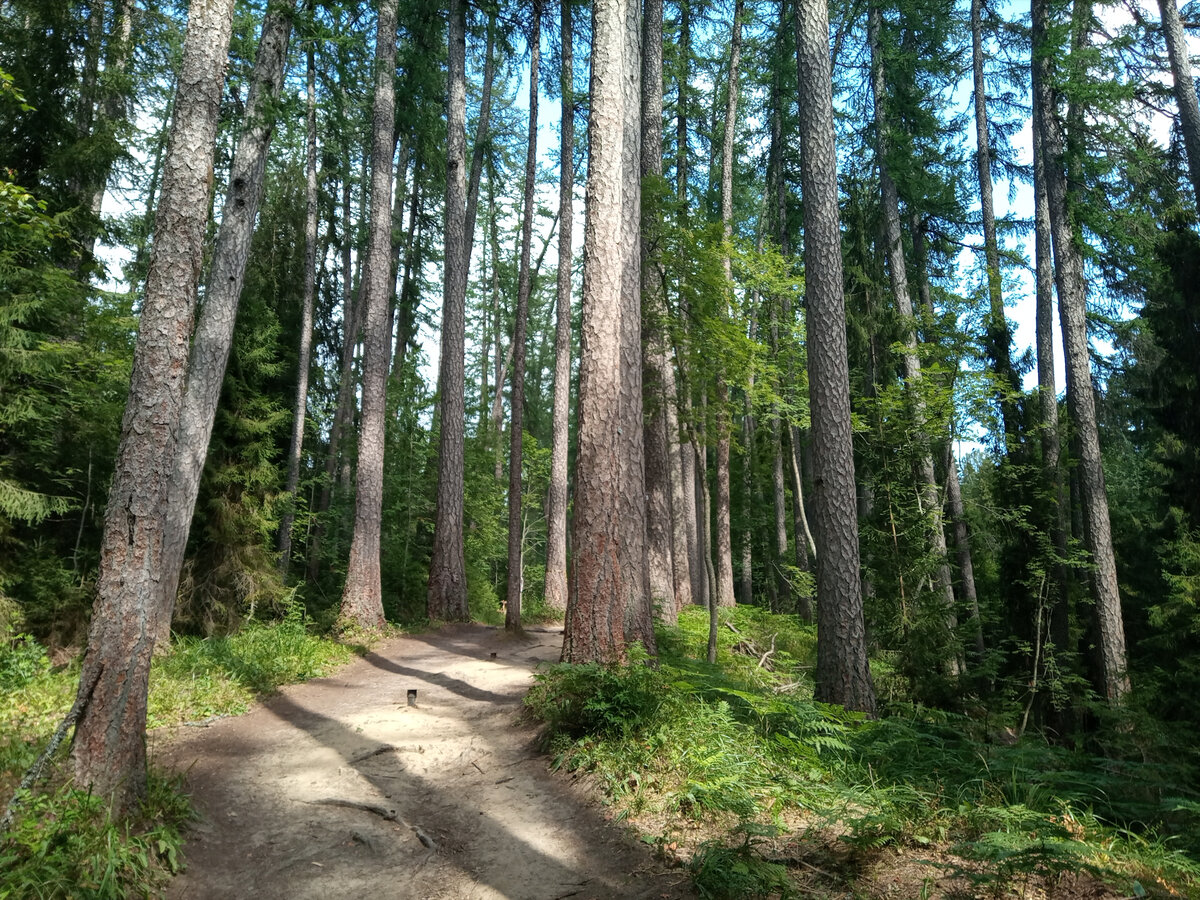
1185,88
843,675
724,564
516,530
556,501
601,582
928,494
447,571
296,447
109,746
1072,307
362,595
214,330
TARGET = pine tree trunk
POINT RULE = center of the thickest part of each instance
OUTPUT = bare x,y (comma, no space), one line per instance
843,675
997,337
516,530
600,585
1185,88
1072,306
556,502
447,571
296,447
362,595
109,746
724,564
928,494
214,331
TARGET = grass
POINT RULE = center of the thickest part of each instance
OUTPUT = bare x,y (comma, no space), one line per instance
715,749
63,844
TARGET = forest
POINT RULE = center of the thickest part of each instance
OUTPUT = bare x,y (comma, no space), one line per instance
823,370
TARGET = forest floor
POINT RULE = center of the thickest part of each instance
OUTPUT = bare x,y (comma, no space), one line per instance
339,788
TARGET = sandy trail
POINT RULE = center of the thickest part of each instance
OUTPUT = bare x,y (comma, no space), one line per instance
337,788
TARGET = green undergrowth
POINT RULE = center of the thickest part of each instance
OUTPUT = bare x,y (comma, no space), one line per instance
743,742
62,843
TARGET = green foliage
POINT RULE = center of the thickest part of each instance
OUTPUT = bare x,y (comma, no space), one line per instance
733,873
22,660
65,845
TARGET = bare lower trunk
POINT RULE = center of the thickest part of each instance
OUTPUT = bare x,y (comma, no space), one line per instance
214,331
512,610
447,571
843,675
299,414
962,545
108,751
556,503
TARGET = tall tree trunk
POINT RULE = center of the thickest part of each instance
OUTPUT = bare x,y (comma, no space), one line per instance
632,553
362,595
447,571
997,335
1053,481
214,331
482,128
1185,88
556,501
300,410
406,302
1072,307
843,675
601,584
109,746
724,564
516,530
928,494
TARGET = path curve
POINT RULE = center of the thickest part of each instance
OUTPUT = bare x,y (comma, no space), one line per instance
337,788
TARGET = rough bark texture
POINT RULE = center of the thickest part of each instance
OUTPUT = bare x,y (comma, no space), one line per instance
669,552
1072,308
447,570
214,330
362,596
843,675
300,410
512,609
929,496
595,627
997,336
1185,88
724,564
556,502
109,747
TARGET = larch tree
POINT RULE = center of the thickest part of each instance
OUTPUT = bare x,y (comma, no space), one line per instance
218,314
843,675
108,751
1081,403
1185,88
601,584
556,501
447,570
516,528
362,596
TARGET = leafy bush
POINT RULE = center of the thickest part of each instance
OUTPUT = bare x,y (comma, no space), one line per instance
22,659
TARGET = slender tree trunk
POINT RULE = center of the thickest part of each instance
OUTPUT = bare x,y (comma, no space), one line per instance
1052,471
1185,88
299,415
843,675
109,746
482,129
997,335
930,499
214,331
724,565
512,612
1072,307
447,571
362,596
406,302
601,585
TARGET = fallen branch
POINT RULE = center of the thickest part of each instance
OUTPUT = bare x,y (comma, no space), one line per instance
388,815
762,660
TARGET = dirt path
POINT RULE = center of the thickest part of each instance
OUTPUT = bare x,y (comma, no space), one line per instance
337,788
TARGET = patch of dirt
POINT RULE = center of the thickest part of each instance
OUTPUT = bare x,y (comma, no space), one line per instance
338,788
